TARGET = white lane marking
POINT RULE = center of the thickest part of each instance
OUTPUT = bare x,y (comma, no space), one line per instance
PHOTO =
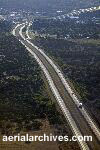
27,31
13,32
18,25
60,101
71,92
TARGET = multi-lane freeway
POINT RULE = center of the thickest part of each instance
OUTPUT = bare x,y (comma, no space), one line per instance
79,120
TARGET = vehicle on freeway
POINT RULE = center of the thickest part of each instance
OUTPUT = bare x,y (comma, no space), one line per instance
80,105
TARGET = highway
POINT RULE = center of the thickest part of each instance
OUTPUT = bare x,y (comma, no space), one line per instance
79,120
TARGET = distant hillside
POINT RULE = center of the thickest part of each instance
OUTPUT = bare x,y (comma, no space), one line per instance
47,4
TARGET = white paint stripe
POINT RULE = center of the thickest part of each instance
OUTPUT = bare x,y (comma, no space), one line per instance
71,92
60,101
27,31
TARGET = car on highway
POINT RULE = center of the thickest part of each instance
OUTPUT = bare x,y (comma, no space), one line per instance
80,105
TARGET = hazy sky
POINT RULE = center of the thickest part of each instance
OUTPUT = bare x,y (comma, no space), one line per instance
47,4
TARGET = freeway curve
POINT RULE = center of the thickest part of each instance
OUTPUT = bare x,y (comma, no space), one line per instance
78,119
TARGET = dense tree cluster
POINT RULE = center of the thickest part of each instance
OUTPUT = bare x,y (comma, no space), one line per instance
79,62
84,27
5,26
22,102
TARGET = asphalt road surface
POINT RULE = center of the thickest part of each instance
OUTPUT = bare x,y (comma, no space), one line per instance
78,119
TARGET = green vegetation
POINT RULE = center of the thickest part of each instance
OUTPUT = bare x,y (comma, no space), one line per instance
23,102
25,105
81,64
84,27
76,48
5,26
87,41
